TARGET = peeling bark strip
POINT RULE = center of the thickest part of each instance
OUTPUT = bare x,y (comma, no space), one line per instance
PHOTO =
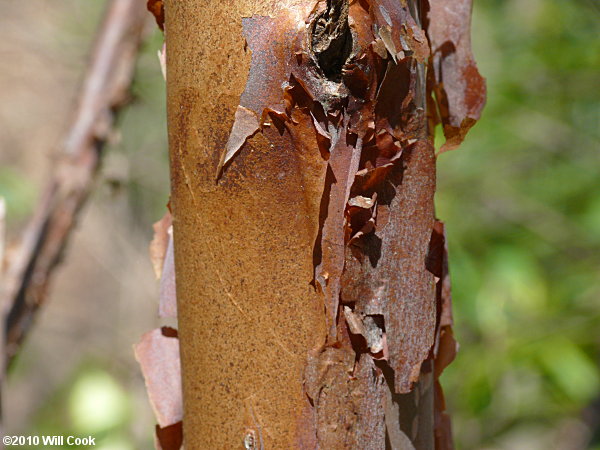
312,284
158,355
459,88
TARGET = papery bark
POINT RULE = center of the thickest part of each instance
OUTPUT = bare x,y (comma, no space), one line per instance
310,275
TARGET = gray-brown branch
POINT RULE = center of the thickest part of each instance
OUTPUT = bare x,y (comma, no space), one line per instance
104,91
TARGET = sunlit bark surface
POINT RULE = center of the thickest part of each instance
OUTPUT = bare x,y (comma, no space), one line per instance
312,287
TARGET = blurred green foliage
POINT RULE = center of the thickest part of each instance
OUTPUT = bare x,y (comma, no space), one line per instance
91,403
17,192
143,144
521,201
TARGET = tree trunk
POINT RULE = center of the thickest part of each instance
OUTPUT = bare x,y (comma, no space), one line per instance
313,299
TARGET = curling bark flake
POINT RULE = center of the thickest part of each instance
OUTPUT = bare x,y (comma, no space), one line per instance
312,287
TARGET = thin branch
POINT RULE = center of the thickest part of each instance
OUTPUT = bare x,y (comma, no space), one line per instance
103,93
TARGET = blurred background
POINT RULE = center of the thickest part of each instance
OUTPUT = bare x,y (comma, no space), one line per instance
520,198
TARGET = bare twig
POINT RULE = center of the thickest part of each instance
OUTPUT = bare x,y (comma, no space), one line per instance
104,91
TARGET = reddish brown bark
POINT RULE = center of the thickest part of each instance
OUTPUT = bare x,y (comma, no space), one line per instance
312,284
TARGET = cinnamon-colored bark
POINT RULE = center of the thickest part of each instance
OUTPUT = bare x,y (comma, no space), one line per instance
311,273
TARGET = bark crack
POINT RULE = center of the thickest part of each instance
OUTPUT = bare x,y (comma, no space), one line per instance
331,40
